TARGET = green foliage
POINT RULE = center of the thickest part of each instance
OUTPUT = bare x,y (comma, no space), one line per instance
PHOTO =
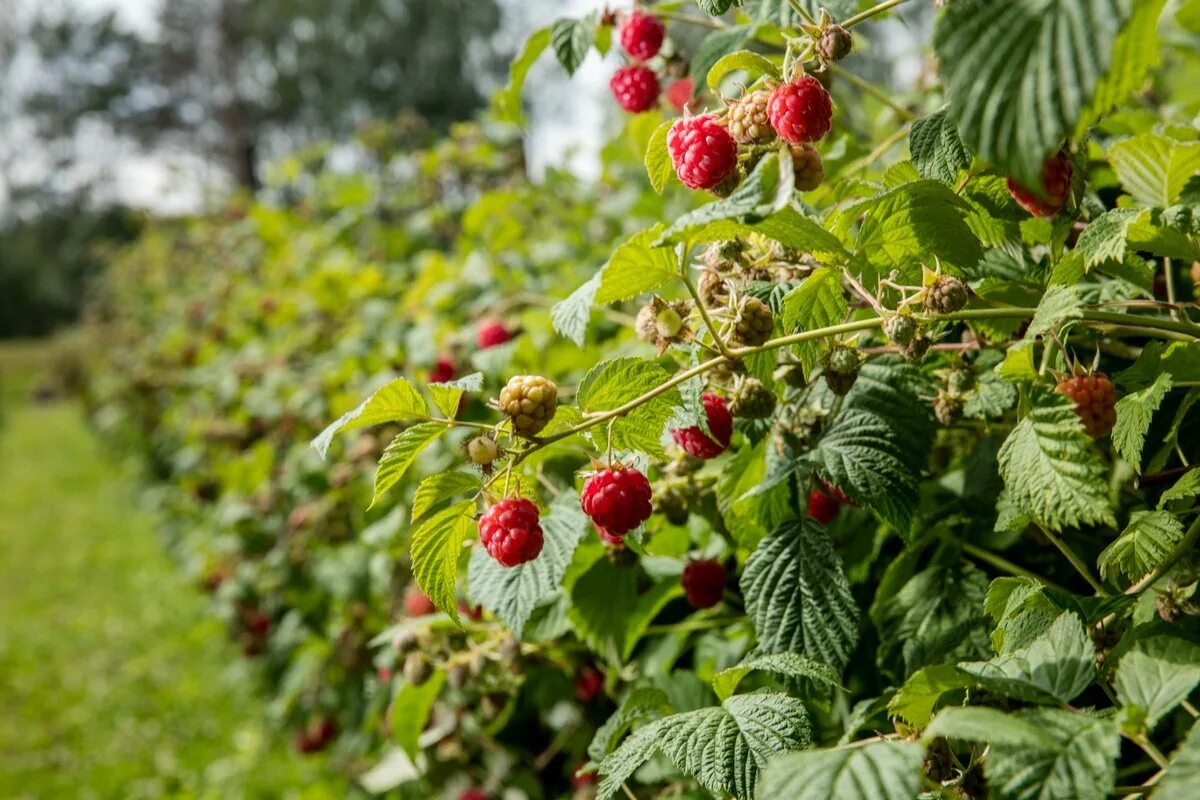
879,771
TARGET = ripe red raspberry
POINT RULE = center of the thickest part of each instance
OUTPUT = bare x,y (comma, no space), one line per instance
510,531
720,425
801,111
704,583
490,333
642,35
1095,402
636,88
617,500
417,604
608,538
589,682
442,371
1056,186
702,150
679,93
473,794
822,507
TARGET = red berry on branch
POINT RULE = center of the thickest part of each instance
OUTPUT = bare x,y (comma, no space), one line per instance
617,500
703,152
490,333
801,111
589,682
442,371
703,583
642,35
608,538
510,531
635,88
822,507
679,93
417,604
1095,402
1056,187
720,425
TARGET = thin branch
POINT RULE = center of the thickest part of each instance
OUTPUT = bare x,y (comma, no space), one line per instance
1003,564
874,91
870,12
1078,563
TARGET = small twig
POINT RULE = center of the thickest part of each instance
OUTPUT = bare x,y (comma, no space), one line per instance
870,12
1002,563
1078,563
874,91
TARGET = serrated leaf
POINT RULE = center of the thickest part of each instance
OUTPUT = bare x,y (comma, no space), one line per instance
602,598
991,397
1187,486
797,596
507,101
1147,541
817,302
409,711
448,396
401,454
571,38
1135,411
436,546
570,316
917,698
974,724
715,8
396,402
1135,52
752,64
613,383
722,747
1049,469
878,771
1056,666
877,447
937,152
635,268
640,706
512,593
1105,237
1058,306
439,487
1181,781
1010,94
755,199
659,167
1154,168
788,227
716,45
1156,675
791,665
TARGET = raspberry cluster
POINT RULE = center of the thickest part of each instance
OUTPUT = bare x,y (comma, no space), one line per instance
617,500
511,531
636,87
720,425
1095,402
529,401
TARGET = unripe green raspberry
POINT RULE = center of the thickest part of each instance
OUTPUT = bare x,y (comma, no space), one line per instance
947,408
900,329
806,164
947,295
959,381
752,400
722,374
748,122
835,43
840,368
530,402
660,323
483,450
754,323
916,349
724,256
713,290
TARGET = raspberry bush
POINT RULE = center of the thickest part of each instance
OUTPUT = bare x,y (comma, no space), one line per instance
844,476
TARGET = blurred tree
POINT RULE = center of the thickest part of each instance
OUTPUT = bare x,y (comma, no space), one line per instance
235,80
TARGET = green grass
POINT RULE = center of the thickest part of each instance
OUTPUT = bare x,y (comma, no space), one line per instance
115,682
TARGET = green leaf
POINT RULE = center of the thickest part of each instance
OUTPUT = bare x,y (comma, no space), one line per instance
512,593
436,545
635,268
918,697
878,771
797,595
1056,666
439,487
640,706
658,160
1154,168
714,47
752,64
572,38
791,665
396,402
937,152
1156,675
817,302
602,599
1185,487
409,712
570,316
448,396
1135,52
877,447
401,453
715,8
1134,414
1018,365
507,101
1040,753
991,398
1182,778
722,747
613,383
1049,469
1020,74
1105,237
1147,541
1058,306
788,227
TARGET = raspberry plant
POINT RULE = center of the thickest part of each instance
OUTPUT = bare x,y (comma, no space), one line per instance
930,554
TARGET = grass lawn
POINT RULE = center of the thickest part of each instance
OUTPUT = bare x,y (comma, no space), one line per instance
114,680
